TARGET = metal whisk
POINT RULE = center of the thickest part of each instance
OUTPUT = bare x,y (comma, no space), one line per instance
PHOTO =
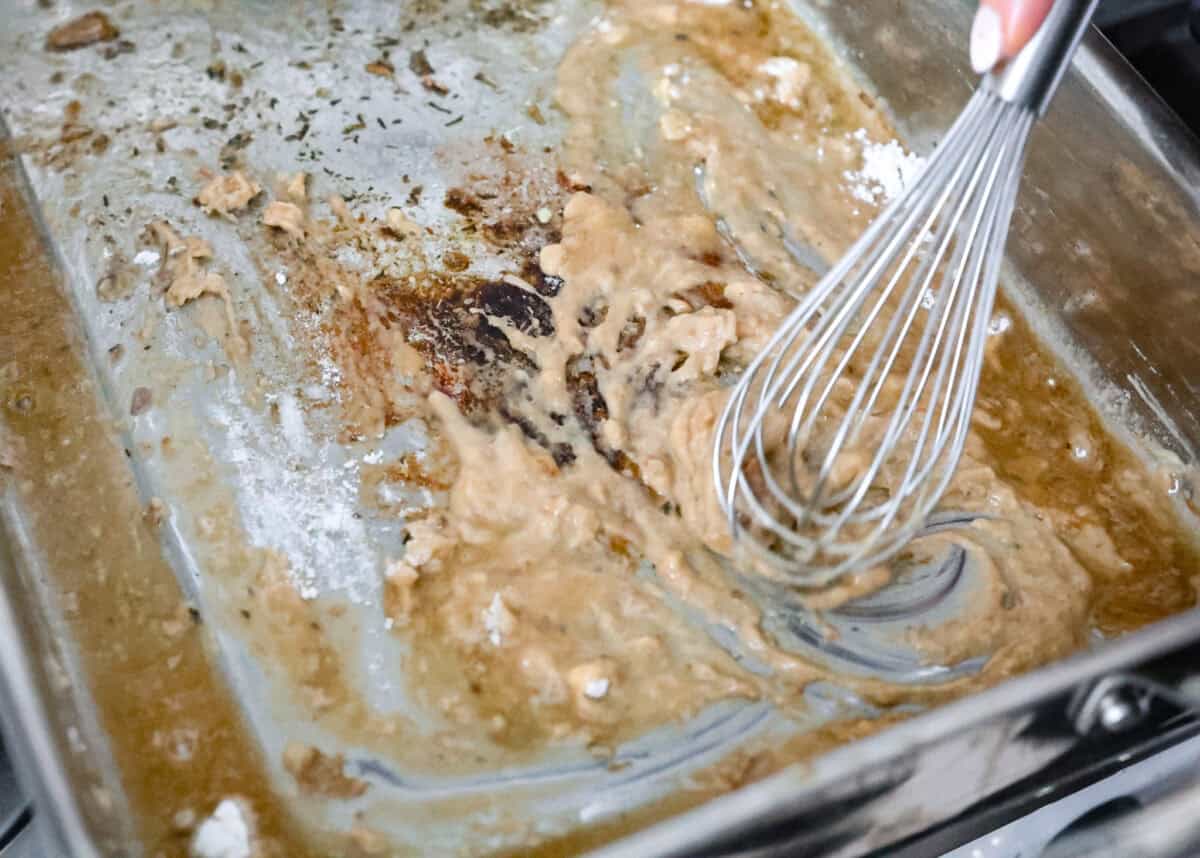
845,431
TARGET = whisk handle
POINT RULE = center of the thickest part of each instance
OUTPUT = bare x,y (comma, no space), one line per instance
1033,75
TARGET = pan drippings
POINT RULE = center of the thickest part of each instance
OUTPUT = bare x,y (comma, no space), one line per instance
437,450
576,398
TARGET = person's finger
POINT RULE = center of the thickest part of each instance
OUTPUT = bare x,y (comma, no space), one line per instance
1002,28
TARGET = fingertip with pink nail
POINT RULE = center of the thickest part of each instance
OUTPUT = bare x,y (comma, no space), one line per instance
987,39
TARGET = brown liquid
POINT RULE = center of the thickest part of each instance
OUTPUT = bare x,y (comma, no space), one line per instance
146,657
1033,452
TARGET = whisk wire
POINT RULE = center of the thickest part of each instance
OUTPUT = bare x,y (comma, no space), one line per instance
828,330
879,261
1004,204
812,302
783,500
953,310
954,318
901,415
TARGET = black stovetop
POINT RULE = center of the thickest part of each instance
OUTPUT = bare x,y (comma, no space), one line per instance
14,810
1162,40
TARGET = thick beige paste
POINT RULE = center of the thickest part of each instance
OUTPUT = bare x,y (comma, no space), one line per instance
529,571
551,594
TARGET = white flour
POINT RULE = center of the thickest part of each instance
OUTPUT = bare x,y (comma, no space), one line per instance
887,170
790,78
224,834
497,620
298,494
